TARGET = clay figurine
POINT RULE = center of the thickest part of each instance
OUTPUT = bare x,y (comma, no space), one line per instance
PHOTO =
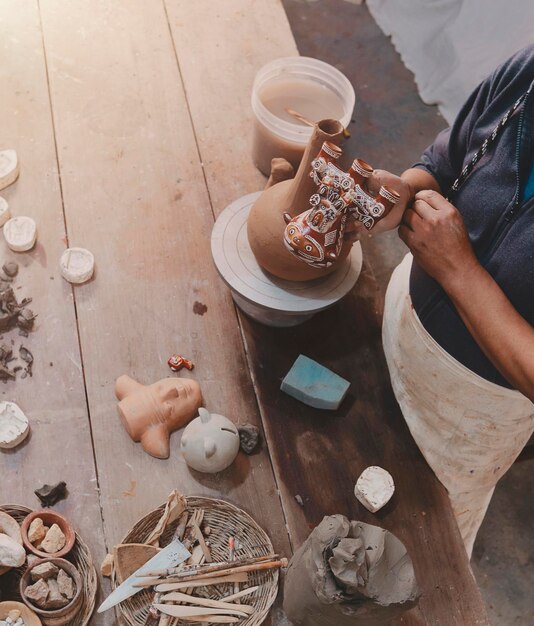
149,413
210,443
177,362
374,488
316,236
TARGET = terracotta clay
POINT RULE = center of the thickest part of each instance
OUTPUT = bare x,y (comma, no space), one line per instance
266,223
149,413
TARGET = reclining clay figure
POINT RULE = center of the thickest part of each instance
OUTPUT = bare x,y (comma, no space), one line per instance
151,412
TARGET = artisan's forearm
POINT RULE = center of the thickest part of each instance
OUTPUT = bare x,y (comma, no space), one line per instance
419,180
504,336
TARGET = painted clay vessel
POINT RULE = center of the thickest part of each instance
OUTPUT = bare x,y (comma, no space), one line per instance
266,222
316,236
210,443
151,412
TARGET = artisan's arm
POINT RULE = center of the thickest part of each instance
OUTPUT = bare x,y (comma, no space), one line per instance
435,233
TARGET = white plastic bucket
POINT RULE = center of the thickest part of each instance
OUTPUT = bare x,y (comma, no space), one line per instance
276,137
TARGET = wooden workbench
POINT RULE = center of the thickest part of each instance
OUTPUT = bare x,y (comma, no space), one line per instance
131,119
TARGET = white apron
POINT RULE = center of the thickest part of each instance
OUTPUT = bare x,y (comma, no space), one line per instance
469,430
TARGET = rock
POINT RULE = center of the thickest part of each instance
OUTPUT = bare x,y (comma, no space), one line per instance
106,568
249,436
31,559
65,584
12,554
374,488
55,600
10,527
77,265
54,540
14,425
11,269
44,571
38,593
20,233
50,494
36,531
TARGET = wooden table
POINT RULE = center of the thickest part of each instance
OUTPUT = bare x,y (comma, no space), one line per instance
131,119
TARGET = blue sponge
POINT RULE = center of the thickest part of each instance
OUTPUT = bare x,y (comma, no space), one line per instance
315,385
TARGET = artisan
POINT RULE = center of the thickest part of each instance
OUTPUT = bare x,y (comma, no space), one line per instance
458,326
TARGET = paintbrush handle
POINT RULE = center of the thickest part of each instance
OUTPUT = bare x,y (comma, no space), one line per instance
182,571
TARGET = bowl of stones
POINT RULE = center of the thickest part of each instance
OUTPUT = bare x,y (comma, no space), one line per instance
52,588
47,534
17,614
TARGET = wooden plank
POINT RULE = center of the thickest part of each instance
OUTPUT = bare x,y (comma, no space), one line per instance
319,455
316,455
220,47
59,446
135,195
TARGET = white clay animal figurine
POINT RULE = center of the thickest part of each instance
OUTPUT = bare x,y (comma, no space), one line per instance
210,442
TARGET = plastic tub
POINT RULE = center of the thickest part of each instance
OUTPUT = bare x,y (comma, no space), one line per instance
311,87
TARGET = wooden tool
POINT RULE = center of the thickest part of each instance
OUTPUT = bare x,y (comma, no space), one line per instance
232,578
185,598
240,594
177,610
186,570
300,117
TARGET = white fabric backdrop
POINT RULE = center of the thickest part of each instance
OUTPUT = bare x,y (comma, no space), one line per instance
452,45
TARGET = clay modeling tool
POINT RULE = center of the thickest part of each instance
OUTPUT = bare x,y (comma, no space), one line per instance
209,582
308,122
213,567
170,556
315,385
177,610
176,596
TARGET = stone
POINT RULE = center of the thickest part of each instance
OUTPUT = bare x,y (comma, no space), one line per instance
37,593
55,600
54,540
106,568
44,571
50,494
77,265
20,233
31,559
5,213
12,554
14,425
36,531
10,269
65,584
9,168
374,488
315,385
249,436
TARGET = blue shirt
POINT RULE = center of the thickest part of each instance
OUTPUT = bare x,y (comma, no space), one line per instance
496,202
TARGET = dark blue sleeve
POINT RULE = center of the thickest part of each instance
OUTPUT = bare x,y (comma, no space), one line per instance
444,158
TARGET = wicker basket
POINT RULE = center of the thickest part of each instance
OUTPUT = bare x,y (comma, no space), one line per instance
79,556
224,519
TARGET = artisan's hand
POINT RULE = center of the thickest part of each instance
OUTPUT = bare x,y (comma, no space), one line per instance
435,232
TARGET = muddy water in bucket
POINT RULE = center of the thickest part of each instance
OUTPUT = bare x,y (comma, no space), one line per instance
310,87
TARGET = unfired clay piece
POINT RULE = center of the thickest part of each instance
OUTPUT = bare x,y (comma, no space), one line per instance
9,167
374,488
347,574
20,233
150,413
14,425
210,443
5,213
12,554
77,265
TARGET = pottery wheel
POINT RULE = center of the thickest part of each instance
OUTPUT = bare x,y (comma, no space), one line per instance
239,269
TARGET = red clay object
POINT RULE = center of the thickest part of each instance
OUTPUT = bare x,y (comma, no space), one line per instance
49,518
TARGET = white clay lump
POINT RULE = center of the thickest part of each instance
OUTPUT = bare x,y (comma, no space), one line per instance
77,265
9,167
12,554
5,213
14,425
20,233
374,488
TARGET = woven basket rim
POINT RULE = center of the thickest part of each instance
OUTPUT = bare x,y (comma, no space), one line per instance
269,589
